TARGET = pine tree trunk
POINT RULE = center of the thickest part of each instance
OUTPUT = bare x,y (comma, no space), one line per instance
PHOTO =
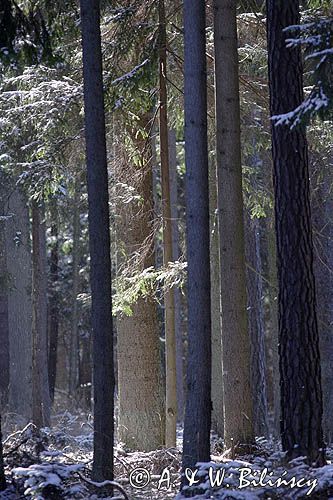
74,345
256,326
4,290
53,302
18,250
301,397
99,241
238,406
217,370
175,254
169,304
41,404
323,267
196,447
141,402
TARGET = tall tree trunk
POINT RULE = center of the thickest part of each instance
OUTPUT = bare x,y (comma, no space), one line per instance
99,241
323,267
41,404
217,370
74,339
54,300
141,401
4,332
169,304
196,447
18,250
256,326
301,397
175,254
238,405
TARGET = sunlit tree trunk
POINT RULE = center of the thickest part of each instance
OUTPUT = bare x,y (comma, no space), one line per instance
238,405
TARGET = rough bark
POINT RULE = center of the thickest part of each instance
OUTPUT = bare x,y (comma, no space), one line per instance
238,406
301,396
99,241
54,300
217,369
141,403
18,250
169,304
175,254
196,447
41,404
256,326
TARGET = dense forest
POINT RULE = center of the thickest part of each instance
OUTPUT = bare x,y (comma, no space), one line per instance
166,249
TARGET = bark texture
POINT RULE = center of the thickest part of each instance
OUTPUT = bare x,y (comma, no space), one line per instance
4,290
238,406
301,397
18,250
53,300
41,404
99,241
196,447
141,402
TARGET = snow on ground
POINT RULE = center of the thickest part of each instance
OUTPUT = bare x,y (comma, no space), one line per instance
56,464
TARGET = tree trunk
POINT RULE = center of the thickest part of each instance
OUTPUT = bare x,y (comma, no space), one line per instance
196,447
41,404
99,241
141,401
18,250
169,304
74,339
323,267
175,254
238,405
301,397
256,326
4,290
217,369
54,300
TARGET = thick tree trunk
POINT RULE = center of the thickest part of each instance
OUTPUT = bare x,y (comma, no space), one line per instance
41,404
196,447
323,267
54,300
99,241
169,303
217,370
301,397
141,402
256,326
18,250
74,339
177,293
238,405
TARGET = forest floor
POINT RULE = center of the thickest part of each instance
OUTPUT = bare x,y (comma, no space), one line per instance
56,464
